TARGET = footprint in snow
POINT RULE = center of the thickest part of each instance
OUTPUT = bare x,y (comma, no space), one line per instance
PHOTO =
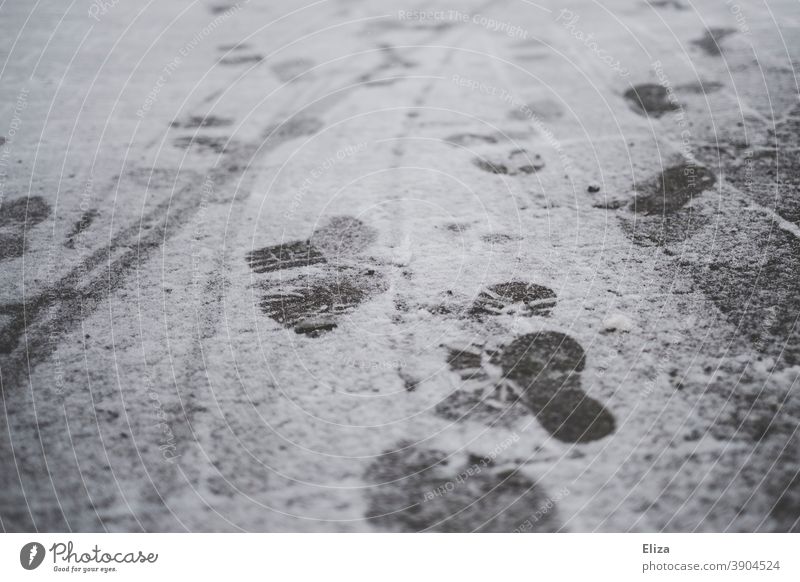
16,218
539,371
420,489
335,280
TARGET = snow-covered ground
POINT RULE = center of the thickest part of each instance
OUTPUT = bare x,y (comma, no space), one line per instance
388,266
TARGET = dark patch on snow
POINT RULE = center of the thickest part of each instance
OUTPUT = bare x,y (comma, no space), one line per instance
26,211
220,8
343,236
662,216
284,256
312,304
477,406
198,121
526,299
497,238
674,4
463,139
16,217
467,362
293,127
233,60
517,162
204,143
672,189
85,221
650,99
416,489
546,368
710,41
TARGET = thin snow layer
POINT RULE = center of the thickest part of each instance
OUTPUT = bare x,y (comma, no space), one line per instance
618,322
400,274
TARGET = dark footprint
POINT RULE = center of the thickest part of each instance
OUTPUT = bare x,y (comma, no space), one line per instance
463,139
674,4
341,237
468,363
204,143
660,206
222,8
198,121
498,238
370,82
672,189
517,297
474,405
311,304
545,369
16,217
650,99
284,256
517,162
711,39
481,396
484,396
241,59
420,489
